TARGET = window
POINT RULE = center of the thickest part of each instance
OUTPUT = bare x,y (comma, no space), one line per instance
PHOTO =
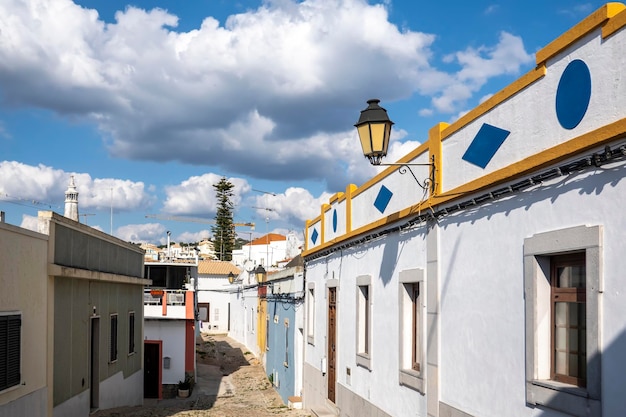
286,363
310,313
204,310
131,332
113,339
562,283
267,332
363,321
411,328
10,350
568,315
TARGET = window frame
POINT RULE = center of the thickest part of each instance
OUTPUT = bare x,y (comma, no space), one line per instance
310,320
412,331
113,337
15,380
364,321
538,251
131,333
567,295
286,362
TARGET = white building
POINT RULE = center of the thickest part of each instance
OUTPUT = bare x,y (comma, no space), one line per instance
499,291
272,250
213,292
169,326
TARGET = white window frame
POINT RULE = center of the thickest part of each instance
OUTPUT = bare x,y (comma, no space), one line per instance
310,318
540,390
407,375
364,321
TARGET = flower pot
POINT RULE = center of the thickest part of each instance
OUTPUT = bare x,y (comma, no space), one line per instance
183,393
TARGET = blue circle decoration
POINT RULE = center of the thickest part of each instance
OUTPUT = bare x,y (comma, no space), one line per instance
573,94
335,220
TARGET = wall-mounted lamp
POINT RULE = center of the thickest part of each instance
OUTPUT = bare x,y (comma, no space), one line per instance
260,274
231,277
374,128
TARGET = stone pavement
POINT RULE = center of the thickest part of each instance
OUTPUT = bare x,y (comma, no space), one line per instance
230,383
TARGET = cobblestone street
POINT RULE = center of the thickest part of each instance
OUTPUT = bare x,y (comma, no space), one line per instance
231,382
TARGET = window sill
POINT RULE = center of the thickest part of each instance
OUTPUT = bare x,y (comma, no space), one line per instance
562,397
412,379
363,360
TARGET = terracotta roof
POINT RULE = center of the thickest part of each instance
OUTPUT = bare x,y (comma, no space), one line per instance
270,237
217,267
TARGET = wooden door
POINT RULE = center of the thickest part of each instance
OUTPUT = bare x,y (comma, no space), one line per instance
151,370
332,342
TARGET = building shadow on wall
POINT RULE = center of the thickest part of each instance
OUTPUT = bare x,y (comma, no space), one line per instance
585,182
612,364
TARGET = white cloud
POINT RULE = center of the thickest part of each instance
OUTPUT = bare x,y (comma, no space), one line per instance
492,8
196,195
295,205
478,65
142,233
265,95
208,96
44,187
188,237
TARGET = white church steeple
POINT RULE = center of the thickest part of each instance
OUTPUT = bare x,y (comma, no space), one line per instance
71,201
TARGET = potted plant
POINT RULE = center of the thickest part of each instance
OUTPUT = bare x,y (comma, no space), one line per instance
184,387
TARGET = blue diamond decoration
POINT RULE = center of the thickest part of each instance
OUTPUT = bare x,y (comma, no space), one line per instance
314,236
383,198
335,220
485,145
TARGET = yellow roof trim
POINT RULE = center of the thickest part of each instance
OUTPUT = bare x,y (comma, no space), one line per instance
501,96
614,24
421,149
536,162
581,29
548,157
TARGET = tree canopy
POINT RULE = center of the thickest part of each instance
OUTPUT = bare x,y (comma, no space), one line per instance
224,230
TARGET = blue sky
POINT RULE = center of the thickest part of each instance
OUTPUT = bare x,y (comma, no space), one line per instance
149,103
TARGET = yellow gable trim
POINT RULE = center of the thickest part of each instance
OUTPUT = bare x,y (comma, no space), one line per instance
614,24
493,101
536,162
581,29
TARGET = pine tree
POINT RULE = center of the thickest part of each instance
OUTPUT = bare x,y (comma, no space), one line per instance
224,230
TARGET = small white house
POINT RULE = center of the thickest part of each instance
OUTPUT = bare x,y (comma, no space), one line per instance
213,292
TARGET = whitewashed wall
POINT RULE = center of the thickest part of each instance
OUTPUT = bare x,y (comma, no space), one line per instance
243,328
214,291
172,333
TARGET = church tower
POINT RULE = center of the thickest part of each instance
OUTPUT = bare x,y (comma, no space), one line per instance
71,201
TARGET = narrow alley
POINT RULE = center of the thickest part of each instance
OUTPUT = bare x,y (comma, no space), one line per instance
231,382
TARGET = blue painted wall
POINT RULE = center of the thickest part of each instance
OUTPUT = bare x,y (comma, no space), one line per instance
279,349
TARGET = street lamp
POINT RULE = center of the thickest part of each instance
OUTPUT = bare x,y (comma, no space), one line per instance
374,129
260,273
